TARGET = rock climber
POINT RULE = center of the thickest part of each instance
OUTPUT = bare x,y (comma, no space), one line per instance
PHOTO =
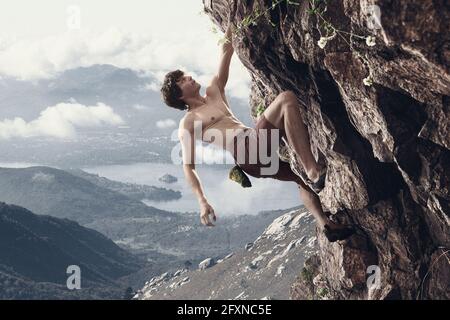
212,116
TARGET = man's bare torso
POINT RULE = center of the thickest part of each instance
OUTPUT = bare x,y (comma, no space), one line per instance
216,114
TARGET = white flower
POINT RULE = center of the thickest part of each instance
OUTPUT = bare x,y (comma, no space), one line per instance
370,41
368,81
322,42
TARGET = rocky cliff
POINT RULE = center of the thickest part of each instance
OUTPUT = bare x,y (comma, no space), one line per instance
372,79
263,269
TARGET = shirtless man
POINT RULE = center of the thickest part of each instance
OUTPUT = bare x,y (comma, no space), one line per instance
181,91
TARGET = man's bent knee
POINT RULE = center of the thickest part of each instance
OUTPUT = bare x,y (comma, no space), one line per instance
288,96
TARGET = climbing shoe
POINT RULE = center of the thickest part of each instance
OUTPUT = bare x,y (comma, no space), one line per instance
315,186
320,184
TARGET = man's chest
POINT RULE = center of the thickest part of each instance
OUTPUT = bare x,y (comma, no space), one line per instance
210,114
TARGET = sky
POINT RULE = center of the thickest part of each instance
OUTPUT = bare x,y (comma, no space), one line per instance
60,121
39,39
46,17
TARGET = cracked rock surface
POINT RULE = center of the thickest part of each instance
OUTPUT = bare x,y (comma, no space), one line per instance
386,146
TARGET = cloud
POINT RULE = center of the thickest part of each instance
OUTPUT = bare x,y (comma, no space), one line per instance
156,54
60,121
154,86
140,107
166,123
211,154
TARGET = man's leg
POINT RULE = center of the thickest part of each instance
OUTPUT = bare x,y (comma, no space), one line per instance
284,114
334,231
310,199
312,203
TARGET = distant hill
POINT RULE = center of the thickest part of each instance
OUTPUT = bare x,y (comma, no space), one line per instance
126,91
132,190
54,192
121,88
166,240
35,252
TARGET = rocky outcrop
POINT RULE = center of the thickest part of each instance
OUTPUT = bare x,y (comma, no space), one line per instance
379,119
264,270
205,264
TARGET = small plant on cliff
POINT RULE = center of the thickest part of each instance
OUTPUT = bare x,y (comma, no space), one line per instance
307,275
252,19
318,8
444,253
260,109
322,292
326,29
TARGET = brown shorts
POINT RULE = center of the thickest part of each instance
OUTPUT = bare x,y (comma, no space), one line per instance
284,172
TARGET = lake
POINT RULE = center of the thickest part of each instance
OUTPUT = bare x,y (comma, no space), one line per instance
227,197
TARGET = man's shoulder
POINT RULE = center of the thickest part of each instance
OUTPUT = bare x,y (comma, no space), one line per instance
187,121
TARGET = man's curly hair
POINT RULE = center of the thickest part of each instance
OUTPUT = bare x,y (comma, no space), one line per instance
171,92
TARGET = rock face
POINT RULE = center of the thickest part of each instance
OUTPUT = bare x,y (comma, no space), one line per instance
386,145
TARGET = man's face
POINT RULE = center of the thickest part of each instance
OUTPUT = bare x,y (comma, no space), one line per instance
188,86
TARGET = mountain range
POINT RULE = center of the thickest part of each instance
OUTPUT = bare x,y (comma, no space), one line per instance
36,251
165,240
55,192
126,91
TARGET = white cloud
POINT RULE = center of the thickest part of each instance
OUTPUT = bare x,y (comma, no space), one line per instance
166,123
211,154
155,54
60,121
140,107
154,86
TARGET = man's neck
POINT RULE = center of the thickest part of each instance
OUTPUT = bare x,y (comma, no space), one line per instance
196,102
